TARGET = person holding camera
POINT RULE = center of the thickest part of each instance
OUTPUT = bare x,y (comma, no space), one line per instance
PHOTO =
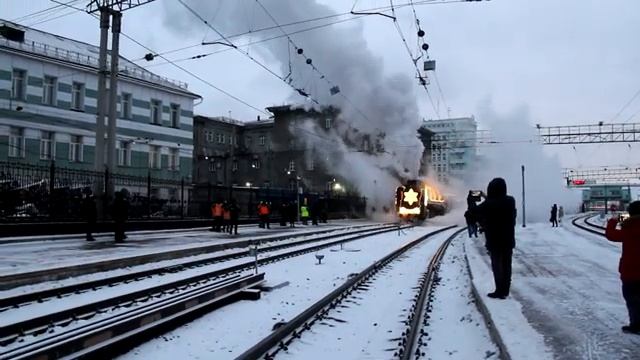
497,217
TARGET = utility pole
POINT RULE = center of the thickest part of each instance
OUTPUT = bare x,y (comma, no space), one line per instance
524,212
106,164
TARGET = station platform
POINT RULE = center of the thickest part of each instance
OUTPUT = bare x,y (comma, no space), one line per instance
566,298
40,254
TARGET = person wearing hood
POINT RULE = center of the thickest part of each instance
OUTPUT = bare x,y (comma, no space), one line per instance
629,267
497,217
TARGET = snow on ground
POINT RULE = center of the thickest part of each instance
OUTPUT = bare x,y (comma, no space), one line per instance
52,305
359,329
31,256
567,288
455,312
227,332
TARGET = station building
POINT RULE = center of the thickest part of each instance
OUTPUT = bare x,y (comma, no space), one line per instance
453,146
48,101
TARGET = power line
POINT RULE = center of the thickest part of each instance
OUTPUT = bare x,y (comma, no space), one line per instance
333,87
626,106
414,61
229,43
180,67
42,12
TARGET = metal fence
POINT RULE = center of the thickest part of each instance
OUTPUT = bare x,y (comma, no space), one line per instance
46,192
50,193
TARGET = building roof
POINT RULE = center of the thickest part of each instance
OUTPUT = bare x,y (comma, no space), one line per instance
49,45
231,121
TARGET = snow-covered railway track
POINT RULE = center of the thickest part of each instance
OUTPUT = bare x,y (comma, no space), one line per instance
39,296
583,223
380,280
58,332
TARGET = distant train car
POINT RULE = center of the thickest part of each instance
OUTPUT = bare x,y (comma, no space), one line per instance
416,201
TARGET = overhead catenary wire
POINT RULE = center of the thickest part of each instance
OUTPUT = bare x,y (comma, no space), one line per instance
43,12
245,53
206,82
298,49
413,59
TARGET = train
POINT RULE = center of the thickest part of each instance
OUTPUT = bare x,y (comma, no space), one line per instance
416,200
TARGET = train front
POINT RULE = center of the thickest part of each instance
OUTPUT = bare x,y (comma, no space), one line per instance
411,201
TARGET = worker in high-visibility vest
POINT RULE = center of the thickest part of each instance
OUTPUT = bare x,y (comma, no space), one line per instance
304,214
217,213
263,214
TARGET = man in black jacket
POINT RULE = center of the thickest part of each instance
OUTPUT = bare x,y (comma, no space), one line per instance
497,216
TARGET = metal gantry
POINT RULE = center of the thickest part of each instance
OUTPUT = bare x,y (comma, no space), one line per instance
601,174
589,134
114,5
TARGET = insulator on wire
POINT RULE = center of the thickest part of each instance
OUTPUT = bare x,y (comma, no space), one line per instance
420,33
425,46
309,61
300,51
149,57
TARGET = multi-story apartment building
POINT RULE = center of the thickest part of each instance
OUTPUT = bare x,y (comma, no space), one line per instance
453,146
48,100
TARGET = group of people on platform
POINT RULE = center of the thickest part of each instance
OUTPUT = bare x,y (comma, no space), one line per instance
119,209
226,215
496,216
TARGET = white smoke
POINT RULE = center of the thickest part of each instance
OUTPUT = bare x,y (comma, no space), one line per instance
370,103
517,146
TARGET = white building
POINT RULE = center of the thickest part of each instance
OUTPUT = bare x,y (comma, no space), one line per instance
48,101
453,146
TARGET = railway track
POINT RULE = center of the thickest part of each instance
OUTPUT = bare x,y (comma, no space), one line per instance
15,301
112,325
588,226
411,340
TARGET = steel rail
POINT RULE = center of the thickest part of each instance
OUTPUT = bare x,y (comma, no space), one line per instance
58,292
117,334
589,228
284,335
418,314
41,324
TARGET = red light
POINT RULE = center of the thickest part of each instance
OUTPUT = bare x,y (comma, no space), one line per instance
578,182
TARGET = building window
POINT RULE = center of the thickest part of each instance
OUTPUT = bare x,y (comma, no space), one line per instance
311,165
124,153
16,142
77,96
125,106
327,123
220,138
255,164
18,85
174,159
247,141
209,135
49,90
218,164
263,140
292,165
154,157
156,112
234,165
75,148
46,145
212,166
175,115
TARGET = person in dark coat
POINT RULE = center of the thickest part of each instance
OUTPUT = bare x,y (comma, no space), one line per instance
120,213
284,213
497,216
234,212
554,216
472,226
629,236
293,214
314,212
90,213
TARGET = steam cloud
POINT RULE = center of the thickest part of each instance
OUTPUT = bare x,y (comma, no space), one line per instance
381,106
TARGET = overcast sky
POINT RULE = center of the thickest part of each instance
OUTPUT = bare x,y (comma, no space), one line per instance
566,62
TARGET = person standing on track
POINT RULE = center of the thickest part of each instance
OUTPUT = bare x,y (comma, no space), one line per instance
120,213
554,216
90,213
629,267
497,217
234,214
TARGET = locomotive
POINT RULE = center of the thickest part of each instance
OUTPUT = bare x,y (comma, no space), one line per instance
416,201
